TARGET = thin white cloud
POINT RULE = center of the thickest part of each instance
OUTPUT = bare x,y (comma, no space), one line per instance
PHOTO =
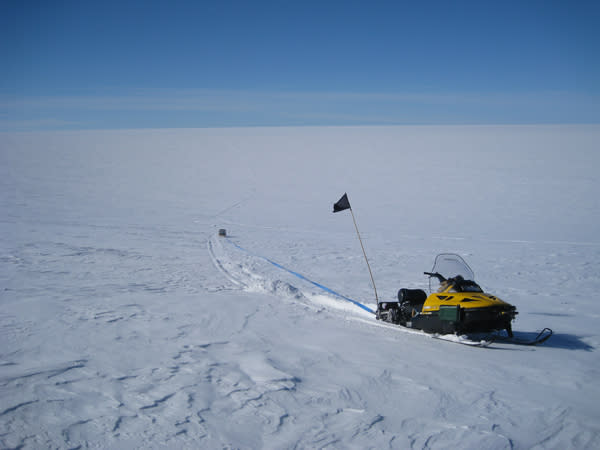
146,101
243,107
36,124
246,100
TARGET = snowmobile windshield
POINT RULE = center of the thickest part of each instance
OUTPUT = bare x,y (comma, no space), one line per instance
450,265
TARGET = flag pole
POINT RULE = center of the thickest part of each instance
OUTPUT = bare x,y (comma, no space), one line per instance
366,259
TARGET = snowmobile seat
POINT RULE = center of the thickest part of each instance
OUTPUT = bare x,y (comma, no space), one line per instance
412,296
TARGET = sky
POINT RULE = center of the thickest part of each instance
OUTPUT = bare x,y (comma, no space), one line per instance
149,64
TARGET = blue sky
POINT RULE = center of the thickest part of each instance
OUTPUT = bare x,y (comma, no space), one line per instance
140,64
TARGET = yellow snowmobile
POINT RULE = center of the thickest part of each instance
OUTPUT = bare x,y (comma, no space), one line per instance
456,304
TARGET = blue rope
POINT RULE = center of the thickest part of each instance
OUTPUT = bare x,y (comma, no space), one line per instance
302,277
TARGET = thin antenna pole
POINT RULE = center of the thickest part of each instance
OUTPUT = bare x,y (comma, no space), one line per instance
366,259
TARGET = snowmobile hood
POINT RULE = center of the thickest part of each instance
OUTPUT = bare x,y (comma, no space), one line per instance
466,300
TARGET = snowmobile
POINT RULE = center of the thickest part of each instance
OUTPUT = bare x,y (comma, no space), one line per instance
456,303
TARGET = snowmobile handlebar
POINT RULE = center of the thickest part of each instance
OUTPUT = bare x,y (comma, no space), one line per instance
437,275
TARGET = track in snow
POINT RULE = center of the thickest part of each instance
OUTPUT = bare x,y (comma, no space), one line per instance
252,274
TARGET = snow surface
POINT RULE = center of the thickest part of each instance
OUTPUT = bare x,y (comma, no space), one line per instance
126,322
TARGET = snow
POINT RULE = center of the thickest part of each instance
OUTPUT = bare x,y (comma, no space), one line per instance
127,322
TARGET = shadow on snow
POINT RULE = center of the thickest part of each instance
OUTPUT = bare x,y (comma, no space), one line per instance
557,340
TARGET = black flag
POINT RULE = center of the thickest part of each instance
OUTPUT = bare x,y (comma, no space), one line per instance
341,204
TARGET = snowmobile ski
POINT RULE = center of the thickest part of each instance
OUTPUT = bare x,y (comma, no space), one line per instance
542,337
465,340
